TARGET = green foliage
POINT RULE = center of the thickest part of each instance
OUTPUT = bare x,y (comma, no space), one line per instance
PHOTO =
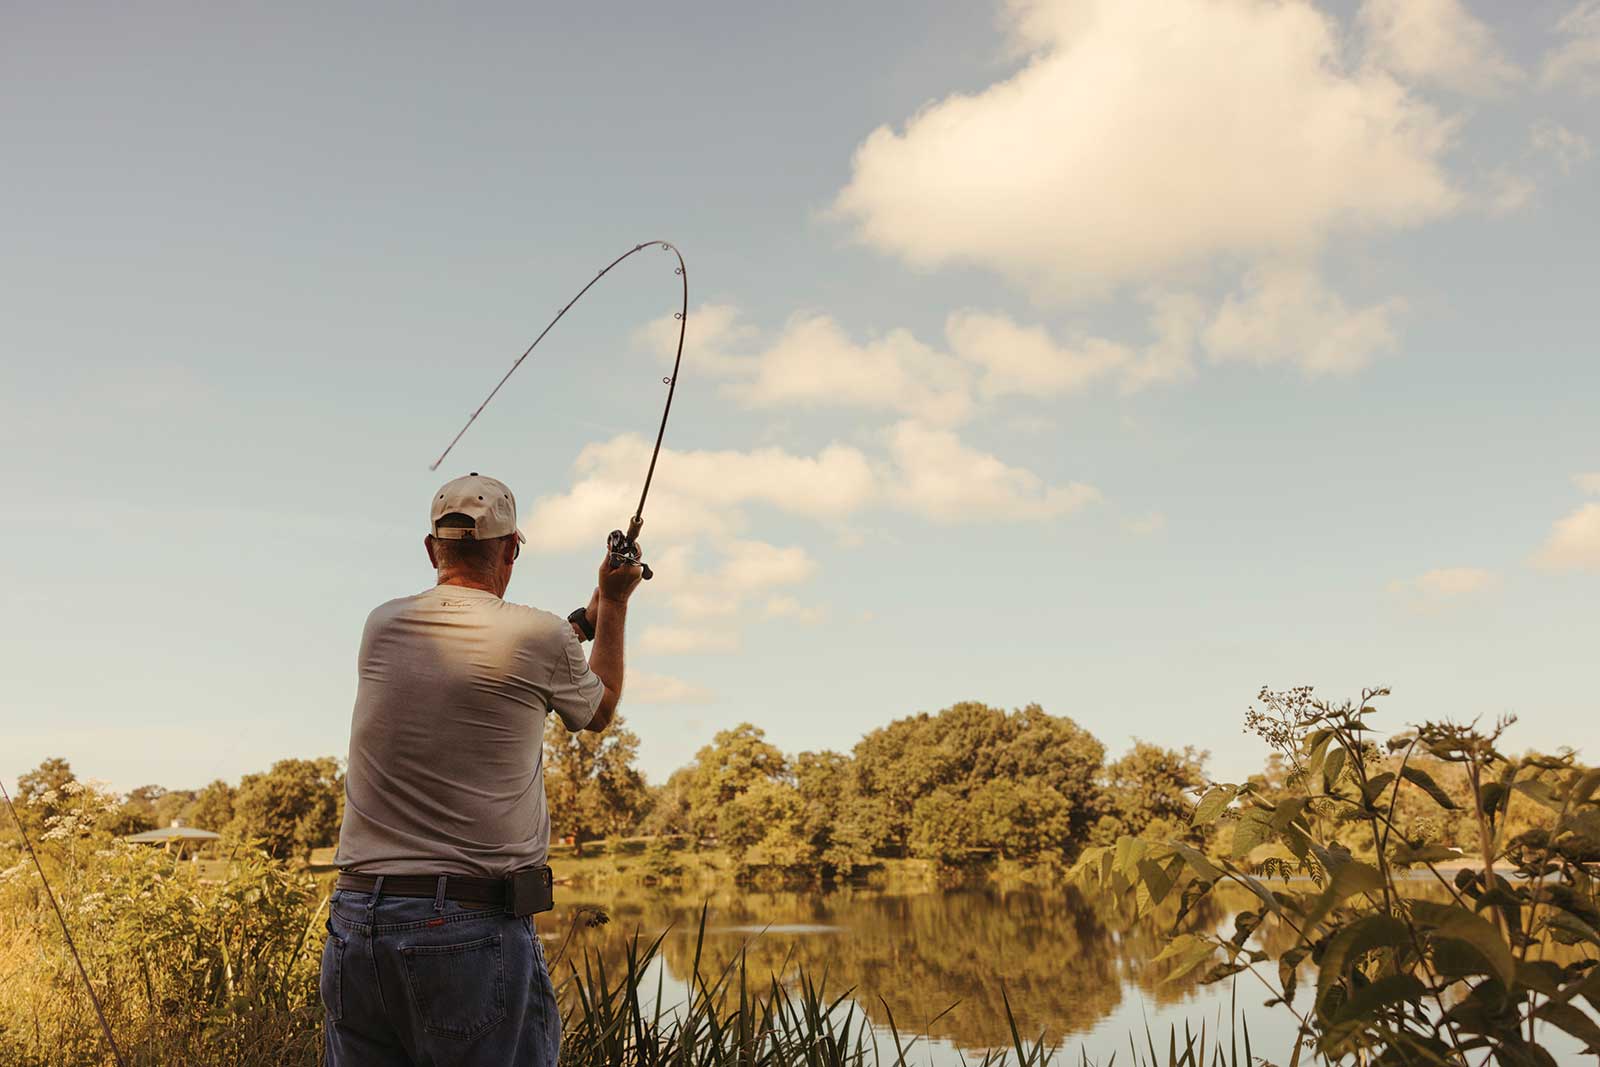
593,788
935,763
291,809
212,807
1147,789
39,790
734,762
190,970
1400,979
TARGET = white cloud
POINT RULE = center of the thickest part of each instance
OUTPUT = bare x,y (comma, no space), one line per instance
1574,542
1588,483
1576,61
1148,134
1567,148
814,363
1285,313
685,640
644,688
714,342
696,493
1507,192
1025,360
938,477
1438,42
1447,582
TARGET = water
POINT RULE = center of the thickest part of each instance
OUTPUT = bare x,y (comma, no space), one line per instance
936,962
1077,973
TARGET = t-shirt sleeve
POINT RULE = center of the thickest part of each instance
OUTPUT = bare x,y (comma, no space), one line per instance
575,690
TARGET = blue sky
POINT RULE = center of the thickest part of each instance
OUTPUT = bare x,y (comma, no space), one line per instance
1119,357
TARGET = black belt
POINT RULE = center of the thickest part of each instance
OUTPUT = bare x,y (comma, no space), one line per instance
528,890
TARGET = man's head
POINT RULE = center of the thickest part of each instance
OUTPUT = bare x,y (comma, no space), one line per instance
475,540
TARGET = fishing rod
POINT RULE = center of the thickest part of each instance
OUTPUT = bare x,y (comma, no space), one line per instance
622,547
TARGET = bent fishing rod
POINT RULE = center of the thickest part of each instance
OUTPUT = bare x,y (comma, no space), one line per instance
622,547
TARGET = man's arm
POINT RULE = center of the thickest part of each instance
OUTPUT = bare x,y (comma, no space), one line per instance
610,607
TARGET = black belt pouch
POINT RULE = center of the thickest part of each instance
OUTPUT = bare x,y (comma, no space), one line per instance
530,890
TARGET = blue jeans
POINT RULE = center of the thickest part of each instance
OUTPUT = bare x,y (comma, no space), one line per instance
407,982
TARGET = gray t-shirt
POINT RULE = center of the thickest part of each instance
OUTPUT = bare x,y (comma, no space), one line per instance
446,771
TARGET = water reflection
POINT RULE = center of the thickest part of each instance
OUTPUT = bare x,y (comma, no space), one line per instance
1064,962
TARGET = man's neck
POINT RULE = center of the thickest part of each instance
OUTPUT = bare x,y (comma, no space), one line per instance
468,581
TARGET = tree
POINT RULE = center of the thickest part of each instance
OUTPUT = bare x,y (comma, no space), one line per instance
212,807
1148,789
942,827
171,805
735,761
762,825
960,750
293,808
591,783
39,794
668,805
1019,819
836,835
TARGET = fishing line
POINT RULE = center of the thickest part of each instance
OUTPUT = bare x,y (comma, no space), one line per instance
623,547
99,1012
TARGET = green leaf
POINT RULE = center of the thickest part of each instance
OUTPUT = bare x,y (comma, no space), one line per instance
1221,971
1186,951
1386,991
1349,945
1541,792
1584,788
1213,804
1252,829
1155,879
1376,786
1202,867
1261,891
1348,879
1432,853
1332,768
1569,929
1419,777
1454,923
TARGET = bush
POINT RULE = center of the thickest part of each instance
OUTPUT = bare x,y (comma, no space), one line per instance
1400,979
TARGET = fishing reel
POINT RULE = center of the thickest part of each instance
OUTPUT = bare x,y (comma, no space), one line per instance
623,548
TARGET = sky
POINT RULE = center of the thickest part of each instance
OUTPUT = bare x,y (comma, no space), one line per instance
1119,356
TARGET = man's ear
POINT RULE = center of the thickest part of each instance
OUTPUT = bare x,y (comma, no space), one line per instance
513,550
427,543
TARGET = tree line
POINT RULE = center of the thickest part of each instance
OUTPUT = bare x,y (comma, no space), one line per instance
969,780
968,783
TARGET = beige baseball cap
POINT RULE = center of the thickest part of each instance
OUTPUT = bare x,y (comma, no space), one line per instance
487,500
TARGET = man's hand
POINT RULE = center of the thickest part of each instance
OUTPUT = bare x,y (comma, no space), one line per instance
609,606
618,583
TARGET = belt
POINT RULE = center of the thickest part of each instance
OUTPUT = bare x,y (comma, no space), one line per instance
460,888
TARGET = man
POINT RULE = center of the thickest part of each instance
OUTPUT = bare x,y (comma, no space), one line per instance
432,957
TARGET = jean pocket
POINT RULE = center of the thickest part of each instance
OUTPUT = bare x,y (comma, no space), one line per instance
330,981
459,990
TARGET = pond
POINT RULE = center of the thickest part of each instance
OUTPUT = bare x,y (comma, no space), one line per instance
938,961
1077,973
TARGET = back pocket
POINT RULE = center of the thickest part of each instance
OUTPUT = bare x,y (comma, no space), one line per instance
330,980
459,990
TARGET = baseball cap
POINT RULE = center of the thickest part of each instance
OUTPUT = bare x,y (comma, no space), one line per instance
487,500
